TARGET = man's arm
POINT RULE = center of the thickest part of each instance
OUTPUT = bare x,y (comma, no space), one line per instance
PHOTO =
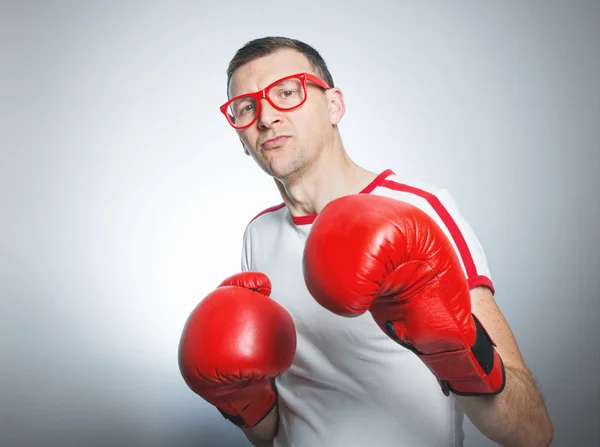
262,434
517,416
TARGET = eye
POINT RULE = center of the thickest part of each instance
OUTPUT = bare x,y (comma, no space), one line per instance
242,107
287,93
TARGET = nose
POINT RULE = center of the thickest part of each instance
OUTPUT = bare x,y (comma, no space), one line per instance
268,115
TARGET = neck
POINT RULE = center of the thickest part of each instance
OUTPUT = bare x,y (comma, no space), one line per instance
331,176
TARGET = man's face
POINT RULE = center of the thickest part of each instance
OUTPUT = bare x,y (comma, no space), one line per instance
285,143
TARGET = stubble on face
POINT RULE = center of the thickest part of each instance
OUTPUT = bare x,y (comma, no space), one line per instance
282,163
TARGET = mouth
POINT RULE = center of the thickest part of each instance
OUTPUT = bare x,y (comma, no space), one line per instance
275,142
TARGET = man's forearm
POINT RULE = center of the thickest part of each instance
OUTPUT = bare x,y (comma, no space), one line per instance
260,443
263,433
515,417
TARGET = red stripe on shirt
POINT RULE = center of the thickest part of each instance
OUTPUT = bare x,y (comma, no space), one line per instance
269,210
447,219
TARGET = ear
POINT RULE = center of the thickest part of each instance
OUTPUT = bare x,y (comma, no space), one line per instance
337,106
244,146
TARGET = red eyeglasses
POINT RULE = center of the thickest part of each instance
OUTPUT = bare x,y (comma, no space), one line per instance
285,94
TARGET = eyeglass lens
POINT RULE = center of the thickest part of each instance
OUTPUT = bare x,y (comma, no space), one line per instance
286,94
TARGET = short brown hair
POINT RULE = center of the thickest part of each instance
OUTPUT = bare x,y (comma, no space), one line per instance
265,46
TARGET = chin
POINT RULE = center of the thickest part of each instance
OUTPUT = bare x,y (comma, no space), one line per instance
282,167
283,162
288,172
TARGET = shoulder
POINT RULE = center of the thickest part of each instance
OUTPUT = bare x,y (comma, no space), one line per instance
411,190
439,203
267,219
269,212
261,234
436,201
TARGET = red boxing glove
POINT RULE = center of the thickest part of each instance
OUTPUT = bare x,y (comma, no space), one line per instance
233,344
372,253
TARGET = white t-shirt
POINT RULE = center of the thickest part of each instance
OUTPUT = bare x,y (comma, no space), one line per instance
350,385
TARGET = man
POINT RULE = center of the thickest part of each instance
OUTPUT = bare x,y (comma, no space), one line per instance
270,347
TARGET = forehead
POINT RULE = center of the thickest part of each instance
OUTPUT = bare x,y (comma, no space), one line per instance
259,73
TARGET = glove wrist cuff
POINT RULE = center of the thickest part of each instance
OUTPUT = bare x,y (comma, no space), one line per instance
247,413
473,371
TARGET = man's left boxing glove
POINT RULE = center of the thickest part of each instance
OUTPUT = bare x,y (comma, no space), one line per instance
234,343
371,253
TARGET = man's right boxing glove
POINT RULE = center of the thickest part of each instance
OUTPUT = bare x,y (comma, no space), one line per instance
235,341
367,252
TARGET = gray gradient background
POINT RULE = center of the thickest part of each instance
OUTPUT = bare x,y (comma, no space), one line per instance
124,194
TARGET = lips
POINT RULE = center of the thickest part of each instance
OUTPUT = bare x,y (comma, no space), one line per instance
275,142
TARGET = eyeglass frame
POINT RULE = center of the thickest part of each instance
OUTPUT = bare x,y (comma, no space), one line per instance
264,93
